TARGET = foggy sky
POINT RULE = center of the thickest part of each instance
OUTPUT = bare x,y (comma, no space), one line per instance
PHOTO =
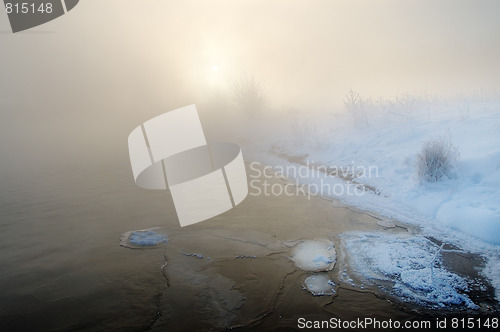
79,84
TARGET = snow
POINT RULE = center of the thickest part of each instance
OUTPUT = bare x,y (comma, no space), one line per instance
382,150
412,263
314,255
389,145
319,285
492,271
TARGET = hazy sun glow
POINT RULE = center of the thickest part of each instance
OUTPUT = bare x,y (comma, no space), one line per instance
215,68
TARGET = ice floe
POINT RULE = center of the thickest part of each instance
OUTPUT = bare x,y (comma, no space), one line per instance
411,264
195,254
145,238
319,284
314,255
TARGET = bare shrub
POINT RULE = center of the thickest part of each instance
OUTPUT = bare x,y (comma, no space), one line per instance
248,92
437,159
303,131
358,107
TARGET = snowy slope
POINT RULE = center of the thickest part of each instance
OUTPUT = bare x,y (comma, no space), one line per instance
462,208
468,201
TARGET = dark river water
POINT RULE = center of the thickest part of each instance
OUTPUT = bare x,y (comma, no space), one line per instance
62,268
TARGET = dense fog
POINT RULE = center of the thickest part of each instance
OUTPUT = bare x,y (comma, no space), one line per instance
72,89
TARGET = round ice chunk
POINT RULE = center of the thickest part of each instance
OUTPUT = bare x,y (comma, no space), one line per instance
314,255
319,285
145,238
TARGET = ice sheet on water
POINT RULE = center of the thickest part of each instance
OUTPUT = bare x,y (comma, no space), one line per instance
319,284
386,224
194,254
314,255
145,238
411,263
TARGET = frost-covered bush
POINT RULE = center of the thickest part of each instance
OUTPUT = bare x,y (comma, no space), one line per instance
302,131
437,159
358,107
248,93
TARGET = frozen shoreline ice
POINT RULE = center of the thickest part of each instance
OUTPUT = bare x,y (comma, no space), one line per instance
412,264
462,209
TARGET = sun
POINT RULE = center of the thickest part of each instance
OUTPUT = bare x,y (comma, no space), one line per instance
214,73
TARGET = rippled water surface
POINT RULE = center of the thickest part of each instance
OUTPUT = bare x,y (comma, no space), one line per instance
63,267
